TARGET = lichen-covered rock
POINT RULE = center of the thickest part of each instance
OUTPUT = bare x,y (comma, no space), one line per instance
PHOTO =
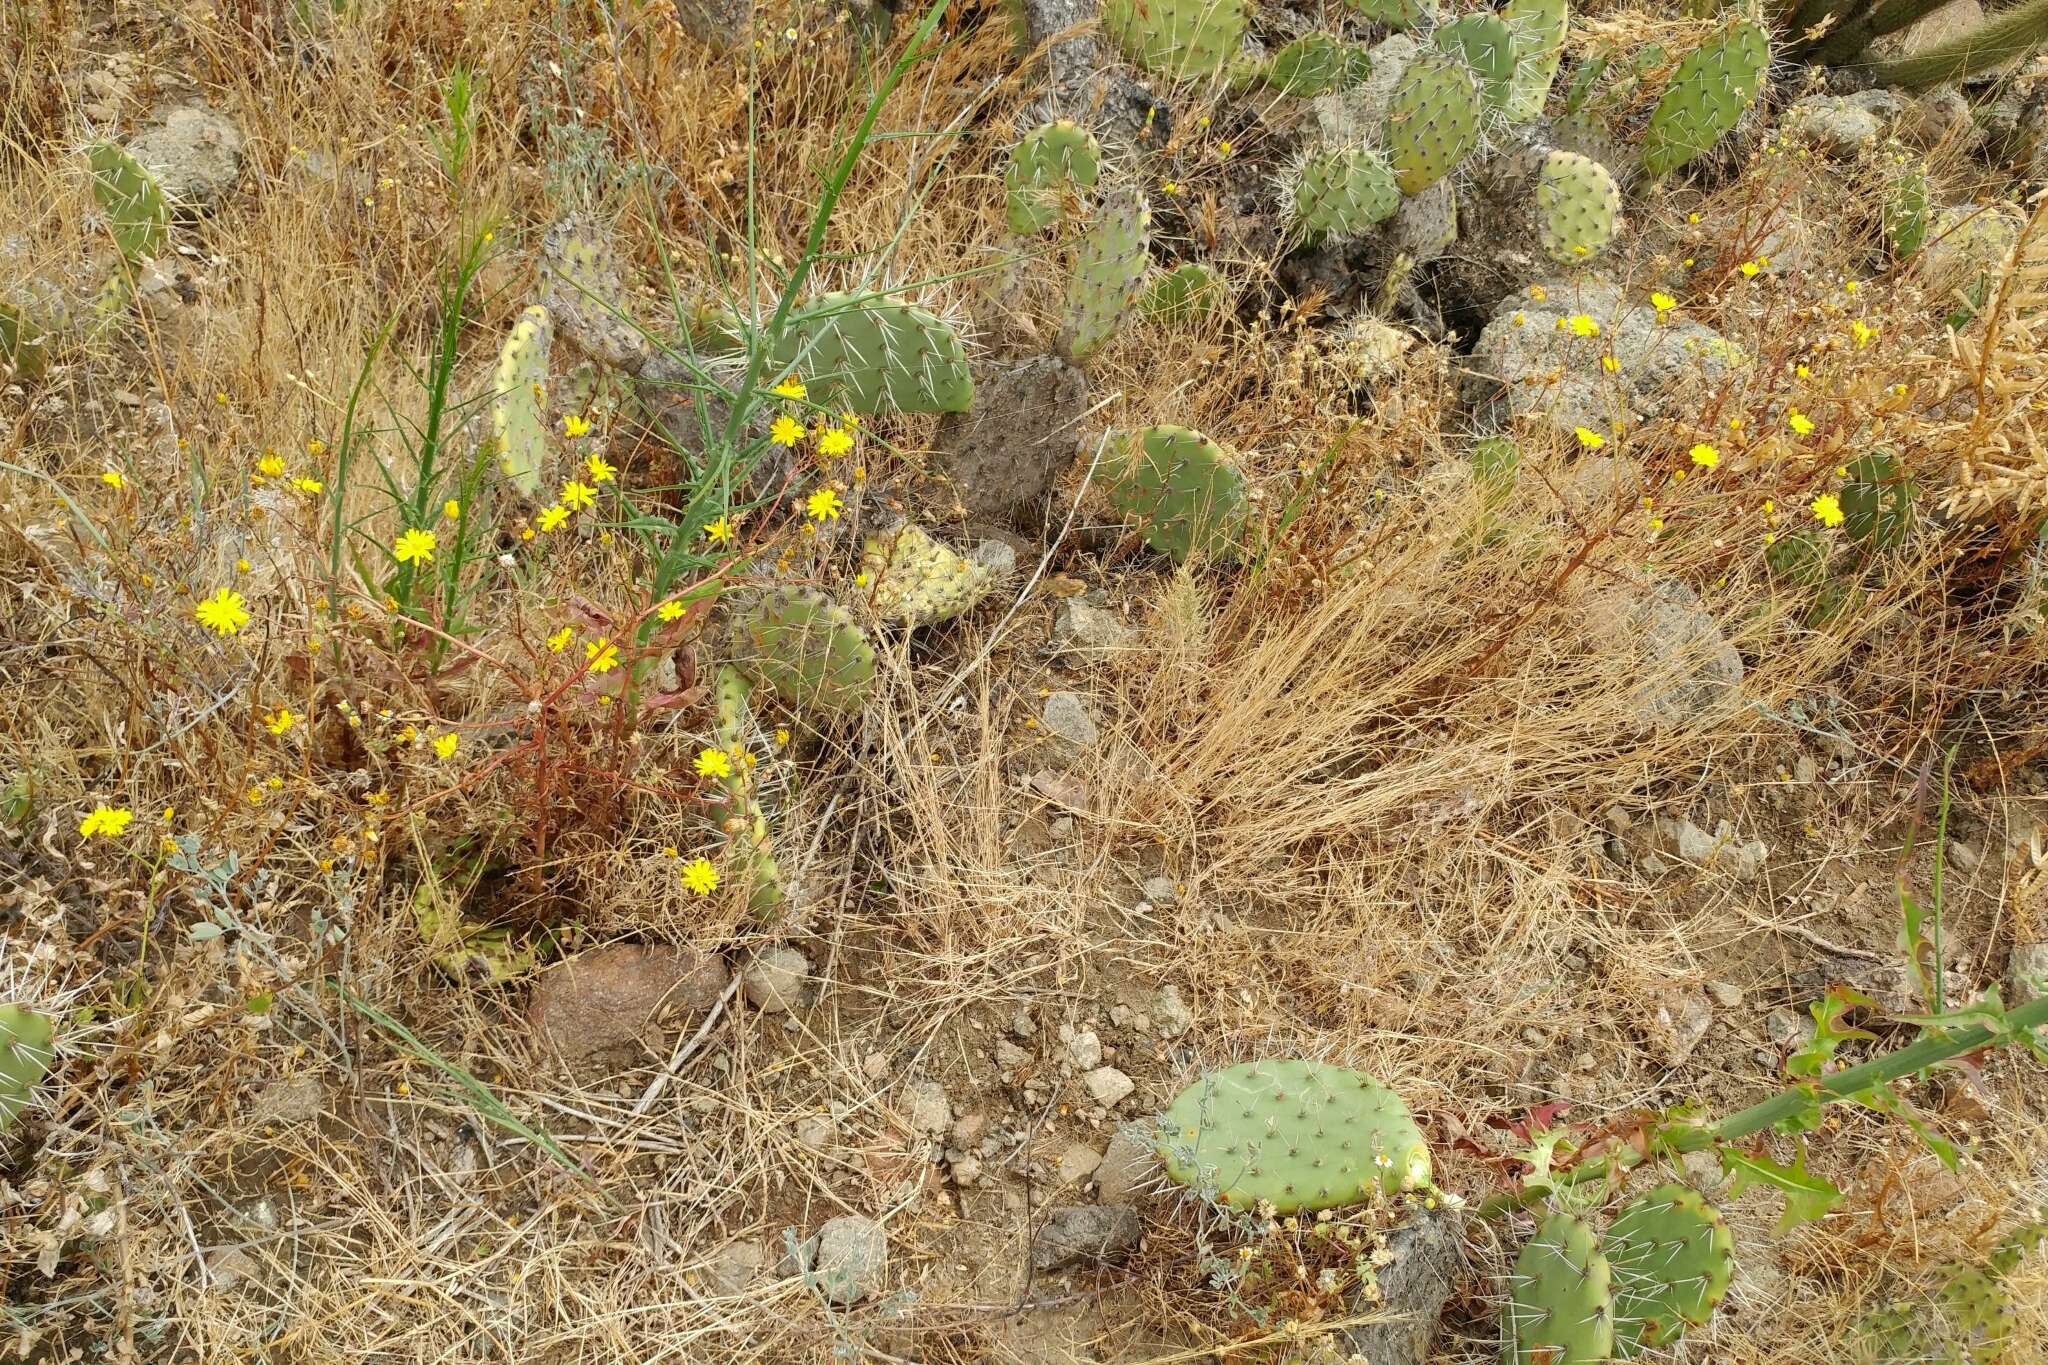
1079,1234
851,1259
1678,664
1415,1268
195,155
1843,126
1004,453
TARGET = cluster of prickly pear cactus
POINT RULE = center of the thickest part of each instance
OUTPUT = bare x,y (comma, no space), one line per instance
1966,1318
1485,43
872,353
1109,268
807,648
1712,89
1048,162
1394,13
519,395
1181,489
1180,39
27,1050
1339,192
1662,1267
1577,206
748,842
1298,1135
128,195
1187,291
1432,120
1313,64
916,580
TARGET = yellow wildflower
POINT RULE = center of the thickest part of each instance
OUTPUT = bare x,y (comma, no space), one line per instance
1705,456
574,425
224,613
306,485
1862,332
719,531
577,495
112,479
837,441
602,655
792,388
105,820
559,641
1583,326
1590,439
414,547
551,518
282,721
823,505
444,745
785,431
700,876
1801,424
670,611
271,466
1827,509
713,763
600,470
1749,269
1662,301
451,509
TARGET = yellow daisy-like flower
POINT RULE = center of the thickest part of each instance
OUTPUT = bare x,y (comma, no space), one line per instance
574,426
700,877
792,388
559,641
719,531
445,745
1590,439
1538,292
106,821
835,442
224,613
785,431
414,547
1863,332
551,518
451,509
602,654
713,763
1801,424
305,485
1749,269
1827,509
670,611
112,479
271,466
1609,364
1583,325
577,495
1662,301
282,721
823,505
1705,456
600,470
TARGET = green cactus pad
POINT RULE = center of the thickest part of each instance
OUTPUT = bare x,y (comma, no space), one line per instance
1713,87
1187,291
1048,162
1316,64
23,354
1979,1313
1181,489
1109,267
1180,39
1577,206
1432,120
1905,212
1339,192
1487,45
1539,28
128,194
519,401
27,1051
1560,1310
1877,501
1671,1258
802,644
916,580
585,296
1296,1134
1394,13
872,353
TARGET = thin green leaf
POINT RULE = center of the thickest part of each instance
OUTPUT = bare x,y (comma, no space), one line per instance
1807,1196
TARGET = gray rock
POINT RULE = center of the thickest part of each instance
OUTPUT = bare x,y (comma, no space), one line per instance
999,557
609,1004
927,1108
1129,1166
774,981
1681,1019
1004,453
1023,1025
1538,365
298,1100
1009,1056
1066,715
195,154
735,1266
1086,1050
1161,890
1427,223
1685,667
2026,966
1078,1162
1726,993
1077,1234
1787,1027
1085,82
1357,115
1082,628
1964,857
819,1132
1843,125
851,1260
1109,1086
1423,1261
1720,851
1170,1013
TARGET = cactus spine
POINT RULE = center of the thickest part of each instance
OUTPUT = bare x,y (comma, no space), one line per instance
1561,1306
916,580
1671,1259
27,1050
1314,64
1487,45
871,353
1905,213
1539,27
749,846
1046,163
1432,120
804,646
1180,39
1711,90
1339,192
1109,267
129,196
1394,13
1295,1134
519,388
1186,496
1577,206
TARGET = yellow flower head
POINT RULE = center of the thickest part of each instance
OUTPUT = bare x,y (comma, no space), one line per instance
670,611
785,431
1590,439
552,517
112,479
836,441
599,469
1863,332
451,509
559,641
719,531
271,466
414,547
444,745
224,613
574,426
1662,301
107,821
713,763
700,877
1801,424
282,721
792,388
1749,269
305,485
1609,364
1827,509
823,505
1705,456
602,655
576,495
1583,325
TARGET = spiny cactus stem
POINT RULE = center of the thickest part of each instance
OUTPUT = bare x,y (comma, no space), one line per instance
2009,34
1846,43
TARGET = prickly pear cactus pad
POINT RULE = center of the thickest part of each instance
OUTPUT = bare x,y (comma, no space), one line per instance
1671,1258
916,580
806,647
1187,291
1905,212
1577,206
1560,1307
1432,120
519,389
1294,1134
873,353
1181,39
584,295
1709,93
128,194
1109,267
1315,64
1394,13
1539,28
1180,487
1046,163
1487,45
1339,192
27,1048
